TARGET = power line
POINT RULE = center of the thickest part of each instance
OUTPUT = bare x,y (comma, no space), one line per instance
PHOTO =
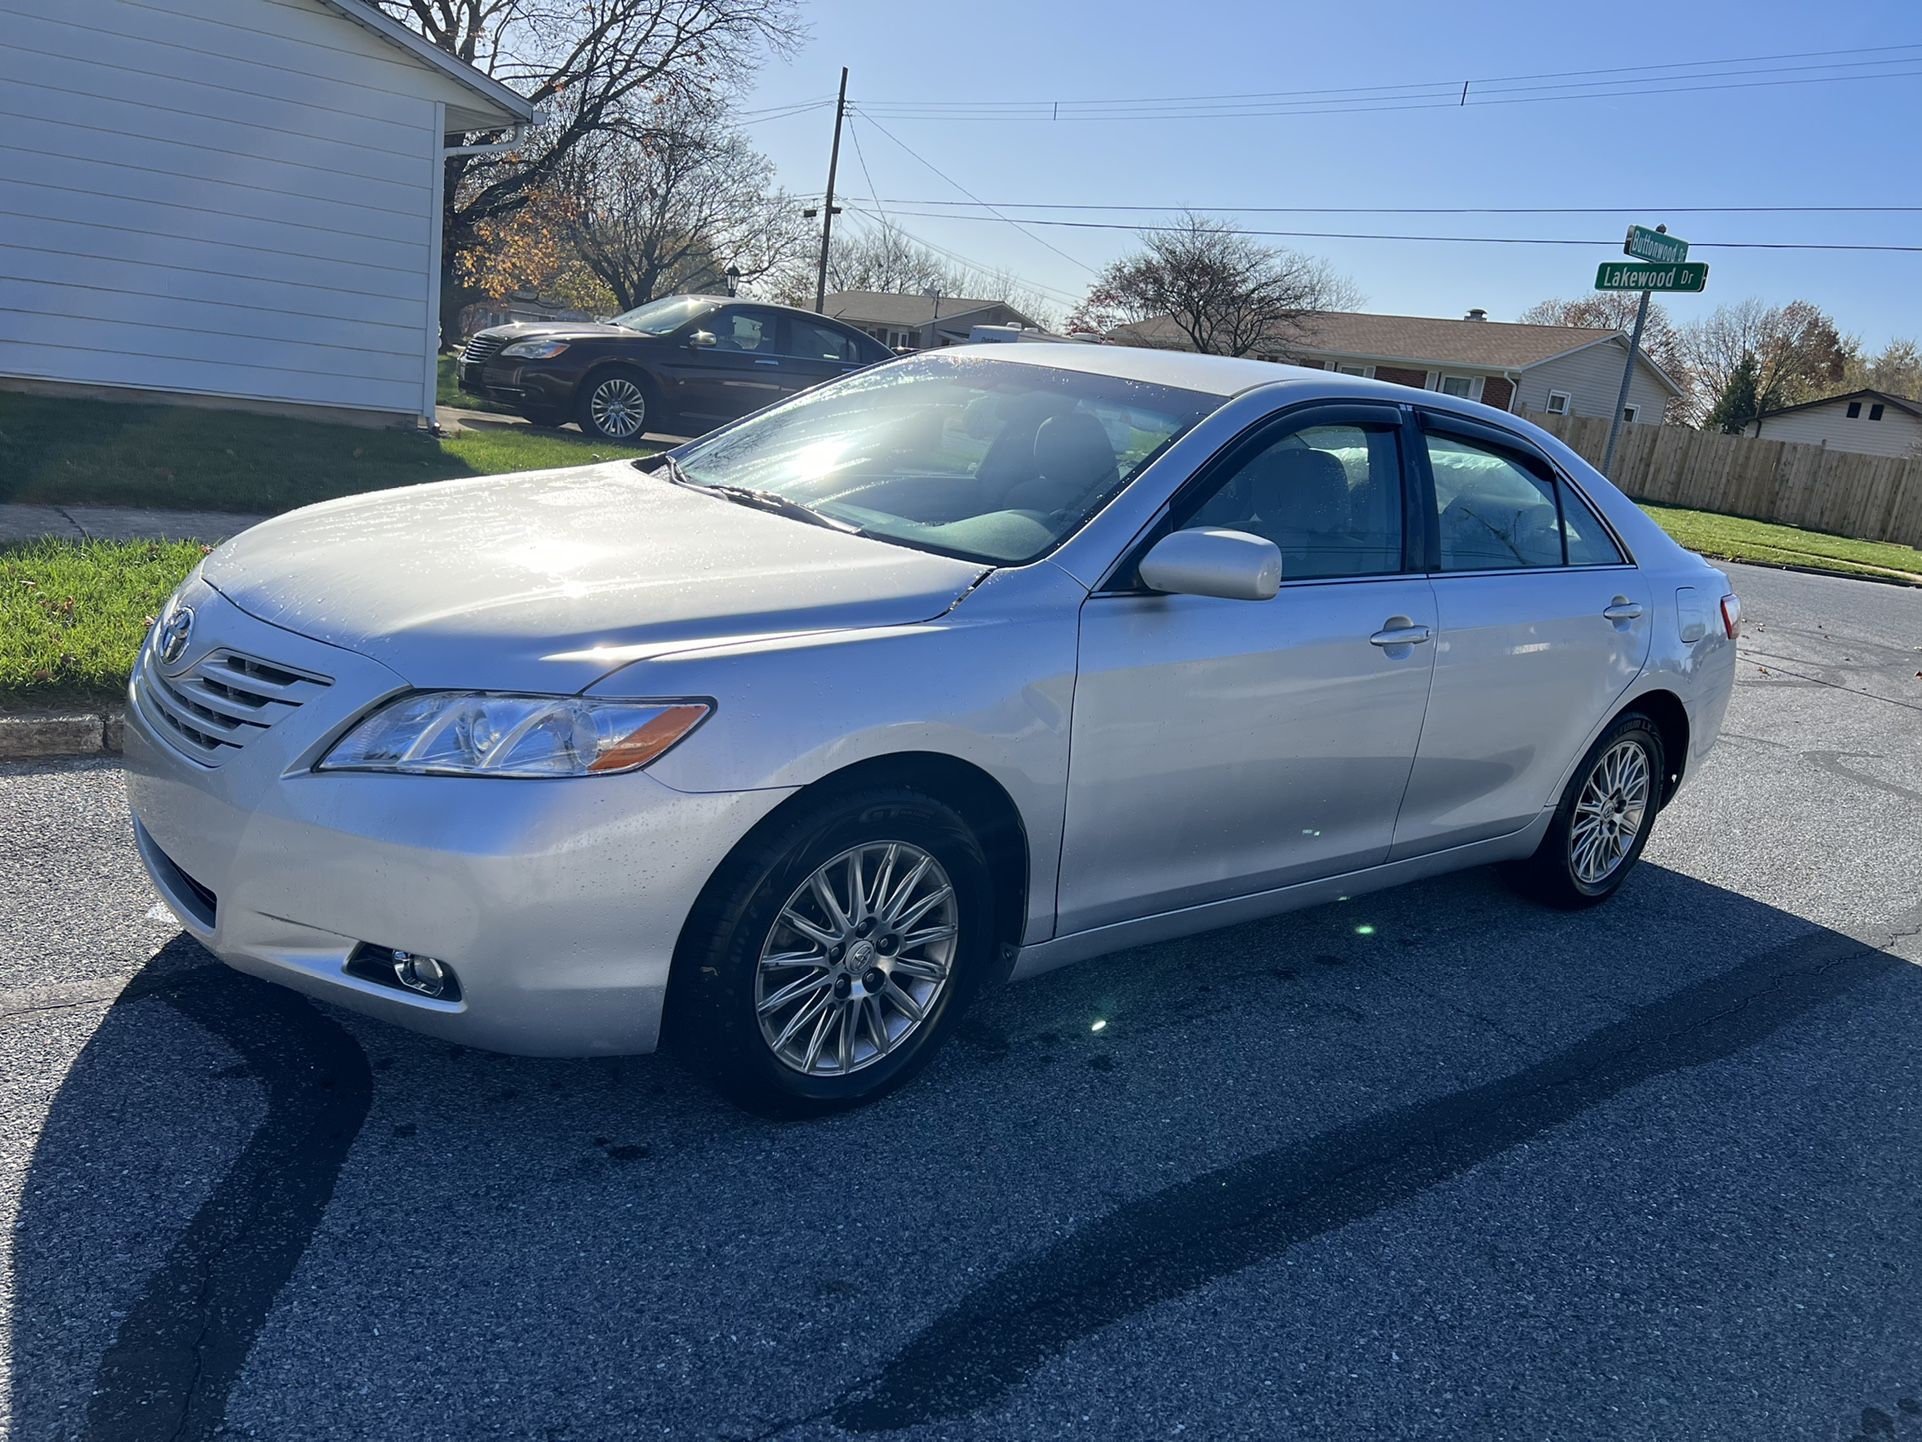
786,114
1055,293
1441,239
1362,106
1448,87
1428,209
970,194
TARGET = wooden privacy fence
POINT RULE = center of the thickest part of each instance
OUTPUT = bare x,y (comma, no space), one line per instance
1872,498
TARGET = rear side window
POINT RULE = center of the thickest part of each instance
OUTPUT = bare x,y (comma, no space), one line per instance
812,341
1498,510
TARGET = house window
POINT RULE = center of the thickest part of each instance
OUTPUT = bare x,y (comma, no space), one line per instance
1855,410
1463,386
1558,403
1628,414
1875,411
1349,369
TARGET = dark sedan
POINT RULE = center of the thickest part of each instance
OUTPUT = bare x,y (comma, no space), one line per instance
684,363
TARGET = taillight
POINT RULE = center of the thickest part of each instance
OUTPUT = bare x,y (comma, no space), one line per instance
1732,615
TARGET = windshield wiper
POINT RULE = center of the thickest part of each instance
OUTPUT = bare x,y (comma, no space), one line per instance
772,501
779,504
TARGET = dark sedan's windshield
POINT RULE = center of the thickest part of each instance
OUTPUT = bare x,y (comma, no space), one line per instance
989,459
658,317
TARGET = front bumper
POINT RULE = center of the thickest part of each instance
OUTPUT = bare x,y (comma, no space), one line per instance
527,386
557,903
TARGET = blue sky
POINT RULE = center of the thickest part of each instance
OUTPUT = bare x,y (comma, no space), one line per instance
1775,145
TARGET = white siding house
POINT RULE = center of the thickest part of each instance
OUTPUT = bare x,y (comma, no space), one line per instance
231,198
1587,380
1872,423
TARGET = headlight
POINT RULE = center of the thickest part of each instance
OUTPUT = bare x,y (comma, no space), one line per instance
535,349
478,733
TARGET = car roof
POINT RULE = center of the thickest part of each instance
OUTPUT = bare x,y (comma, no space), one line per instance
1211,374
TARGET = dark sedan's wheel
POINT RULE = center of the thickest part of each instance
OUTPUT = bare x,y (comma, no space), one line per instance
828,958
617,405
1603,821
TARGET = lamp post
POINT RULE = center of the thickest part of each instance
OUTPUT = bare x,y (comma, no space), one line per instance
734,280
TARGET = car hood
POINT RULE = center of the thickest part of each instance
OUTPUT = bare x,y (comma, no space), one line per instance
561,330
549,580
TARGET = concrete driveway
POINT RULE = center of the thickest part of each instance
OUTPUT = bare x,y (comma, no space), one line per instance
1651,1171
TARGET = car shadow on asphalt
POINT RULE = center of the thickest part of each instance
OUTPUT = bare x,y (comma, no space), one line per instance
1251,1091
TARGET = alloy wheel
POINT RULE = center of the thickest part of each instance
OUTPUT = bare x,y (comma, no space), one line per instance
857,959
618,408
1609,812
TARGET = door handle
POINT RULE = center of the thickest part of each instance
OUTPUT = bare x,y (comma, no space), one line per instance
1401,636
1623,609
765,361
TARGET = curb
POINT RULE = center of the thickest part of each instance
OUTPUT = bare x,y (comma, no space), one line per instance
54,734
1812,570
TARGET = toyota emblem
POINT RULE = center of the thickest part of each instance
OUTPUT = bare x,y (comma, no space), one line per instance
173,635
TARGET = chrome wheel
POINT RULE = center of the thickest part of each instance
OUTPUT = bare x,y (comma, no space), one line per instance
857,959
618,408
1609,812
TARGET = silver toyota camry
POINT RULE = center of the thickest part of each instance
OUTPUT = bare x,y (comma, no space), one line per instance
782,745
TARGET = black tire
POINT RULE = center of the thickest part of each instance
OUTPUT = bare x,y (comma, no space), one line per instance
638,384
1550,875
712,1020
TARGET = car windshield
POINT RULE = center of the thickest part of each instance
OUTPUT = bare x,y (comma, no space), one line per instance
988,459
658,317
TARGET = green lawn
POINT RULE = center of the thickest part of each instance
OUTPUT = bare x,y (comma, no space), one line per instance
1733,538
72,614
72,452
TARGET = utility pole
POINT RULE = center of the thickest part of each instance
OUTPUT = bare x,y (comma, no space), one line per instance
827,205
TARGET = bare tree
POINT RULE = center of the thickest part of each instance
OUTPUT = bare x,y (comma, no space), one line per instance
1615,310
1895,370
592,68
1796,348
674,212
880,256
1224,292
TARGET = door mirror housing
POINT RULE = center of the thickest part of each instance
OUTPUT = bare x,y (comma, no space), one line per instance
702,340
1232,565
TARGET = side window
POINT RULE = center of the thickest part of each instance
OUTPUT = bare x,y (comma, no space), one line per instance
1495,514
810,341
1329,497
746,330
1499,511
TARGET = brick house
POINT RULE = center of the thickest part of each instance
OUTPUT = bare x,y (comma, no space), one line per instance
1565,370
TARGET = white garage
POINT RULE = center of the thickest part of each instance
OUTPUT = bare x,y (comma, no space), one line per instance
228,198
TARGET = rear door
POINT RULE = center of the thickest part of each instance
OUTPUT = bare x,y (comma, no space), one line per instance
1543,622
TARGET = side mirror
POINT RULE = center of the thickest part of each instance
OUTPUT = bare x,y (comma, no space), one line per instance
702,340
1230,564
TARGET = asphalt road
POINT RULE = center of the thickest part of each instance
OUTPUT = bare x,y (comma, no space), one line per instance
1650,1171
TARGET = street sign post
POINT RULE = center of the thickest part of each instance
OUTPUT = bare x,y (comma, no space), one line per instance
1671,270
1656,245
1691,275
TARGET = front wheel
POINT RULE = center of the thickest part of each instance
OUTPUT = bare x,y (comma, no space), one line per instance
617,405
829,957
1603,822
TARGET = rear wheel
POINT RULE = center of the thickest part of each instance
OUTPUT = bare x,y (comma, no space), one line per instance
828,958
1603,821
617,405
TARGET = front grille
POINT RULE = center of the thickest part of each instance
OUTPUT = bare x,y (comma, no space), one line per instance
482,347
220,702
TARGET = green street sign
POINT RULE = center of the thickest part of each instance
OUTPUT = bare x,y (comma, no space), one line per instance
1619,275
1655,245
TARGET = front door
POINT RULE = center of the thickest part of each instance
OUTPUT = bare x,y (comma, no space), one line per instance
1543,625
742,371
1226,747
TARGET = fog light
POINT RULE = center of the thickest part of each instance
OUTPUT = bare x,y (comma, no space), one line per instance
420,973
